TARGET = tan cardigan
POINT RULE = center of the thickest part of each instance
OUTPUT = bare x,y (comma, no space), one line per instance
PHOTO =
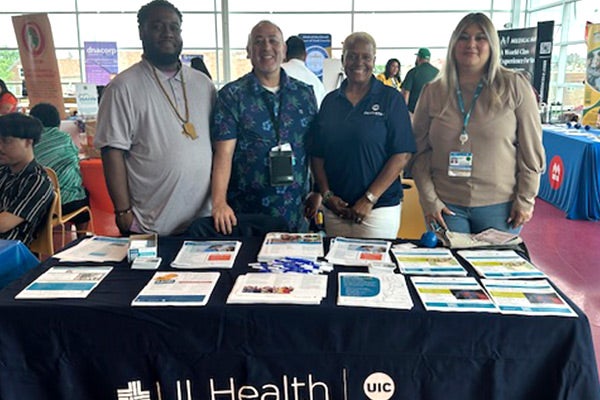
508,156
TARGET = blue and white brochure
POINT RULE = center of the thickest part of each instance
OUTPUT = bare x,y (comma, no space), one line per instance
359,289
177,289
456,294
423,261
527,297
65,282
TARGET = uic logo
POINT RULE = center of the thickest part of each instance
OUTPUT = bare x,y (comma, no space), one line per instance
379,386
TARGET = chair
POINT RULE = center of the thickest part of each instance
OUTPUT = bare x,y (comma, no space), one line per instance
412,220
44,242
58,218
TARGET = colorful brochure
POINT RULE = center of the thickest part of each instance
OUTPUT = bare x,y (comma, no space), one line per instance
500,264
452,294
423,261
279,245
379,291
358,252
65,282
207,254
177,289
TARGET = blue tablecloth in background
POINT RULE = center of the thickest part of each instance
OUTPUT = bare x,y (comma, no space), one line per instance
572,178
15,260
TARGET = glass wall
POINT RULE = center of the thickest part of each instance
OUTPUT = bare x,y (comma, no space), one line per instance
399,29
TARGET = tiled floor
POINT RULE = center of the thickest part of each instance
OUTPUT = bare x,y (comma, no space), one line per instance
568,252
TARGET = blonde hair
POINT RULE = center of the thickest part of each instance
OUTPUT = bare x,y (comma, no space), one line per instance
357,37
496,76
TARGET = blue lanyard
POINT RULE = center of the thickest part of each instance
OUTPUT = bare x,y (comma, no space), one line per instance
464,135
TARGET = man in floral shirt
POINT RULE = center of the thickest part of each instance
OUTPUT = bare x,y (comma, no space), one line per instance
254,115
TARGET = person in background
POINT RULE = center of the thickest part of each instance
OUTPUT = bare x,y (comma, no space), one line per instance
260,133
391,75
57,151
361,142
295,66
8,101
418,76
153,130
197,63
479,137
26,192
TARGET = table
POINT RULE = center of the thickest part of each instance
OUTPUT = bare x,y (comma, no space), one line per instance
101,204
15,260
571,181
88,349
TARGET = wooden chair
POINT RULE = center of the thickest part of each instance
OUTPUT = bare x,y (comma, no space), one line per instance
412,220
58,219
43,244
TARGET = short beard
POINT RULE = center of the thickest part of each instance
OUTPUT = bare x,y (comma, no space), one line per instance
161,59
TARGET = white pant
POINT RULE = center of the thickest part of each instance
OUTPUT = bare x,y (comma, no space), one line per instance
381,223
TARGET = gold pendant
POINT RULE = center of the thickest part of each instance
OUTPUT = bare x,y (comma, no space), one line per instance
190,130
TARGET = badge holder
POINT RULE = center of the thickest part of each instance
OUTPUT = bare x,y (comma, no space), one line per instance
281,161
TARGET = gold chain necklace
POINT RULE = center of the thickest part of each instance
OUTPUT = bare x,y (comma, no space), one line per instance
188,127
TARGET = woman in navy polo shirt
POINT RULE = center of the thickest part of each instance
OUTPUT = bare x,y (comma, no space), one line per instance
362,140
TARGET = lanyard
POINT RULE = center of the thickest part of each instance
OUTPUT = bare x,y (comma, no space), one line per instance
464,135
274,108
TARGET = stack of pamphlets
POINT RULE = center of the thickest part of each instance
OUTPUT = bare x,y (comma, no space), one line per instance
452,294
65,282
302,245
367,290
207,254
489,238
177,289
273,288
500,264
358,252
96,249
425,261
527,297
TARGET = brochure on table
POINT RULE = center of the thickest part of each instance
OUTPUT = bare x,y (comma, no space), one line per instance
65,282
527,297
96,249
452,294
500,264
207,254
177,289
278,245
358,252
489,238
424,261
379,291
278,288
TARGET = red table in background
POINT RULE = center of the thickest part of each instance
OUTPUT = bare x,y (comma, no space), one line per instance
100,202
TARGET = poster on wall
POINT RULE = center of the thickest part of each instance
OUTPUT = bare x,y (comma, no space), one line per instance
318,48
591,96
101,62
529,50
38,58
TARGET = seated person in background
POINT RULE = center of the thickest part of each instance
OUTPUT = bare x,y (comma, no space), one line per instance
25,191
391,75
57,151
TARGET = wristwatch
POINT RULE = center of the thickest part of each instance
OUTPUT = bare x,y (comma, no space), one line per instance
371,197
326,196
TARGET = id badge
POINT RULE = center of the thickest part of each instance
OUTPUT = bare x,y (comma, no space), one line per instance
281,162
460,164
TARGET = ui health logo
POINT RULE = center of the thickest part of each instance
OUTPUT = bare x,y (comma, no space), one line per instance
556,172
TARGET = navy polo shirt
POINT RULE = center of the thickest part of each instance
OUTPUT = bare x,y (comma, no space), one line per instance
355,142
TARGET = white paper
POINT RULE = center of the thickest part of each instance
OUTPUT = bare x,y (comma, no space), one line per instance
500,264
207,254
177,289
97,249
452,294
278,288
65,282
302,245
423,261
367,290
358,252
527,297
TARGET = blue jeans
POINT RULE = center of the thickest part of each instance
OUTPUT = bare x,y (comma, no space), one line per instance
477,219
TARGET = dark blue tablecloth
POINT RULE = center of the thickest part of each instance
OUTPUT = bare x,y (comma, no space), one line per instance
572,178
94,348
15,260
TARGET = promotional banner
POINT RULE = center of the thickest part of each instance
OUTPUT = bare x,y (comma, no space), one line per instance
318,48
87,99
38,58
529,50
101,62
591,97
